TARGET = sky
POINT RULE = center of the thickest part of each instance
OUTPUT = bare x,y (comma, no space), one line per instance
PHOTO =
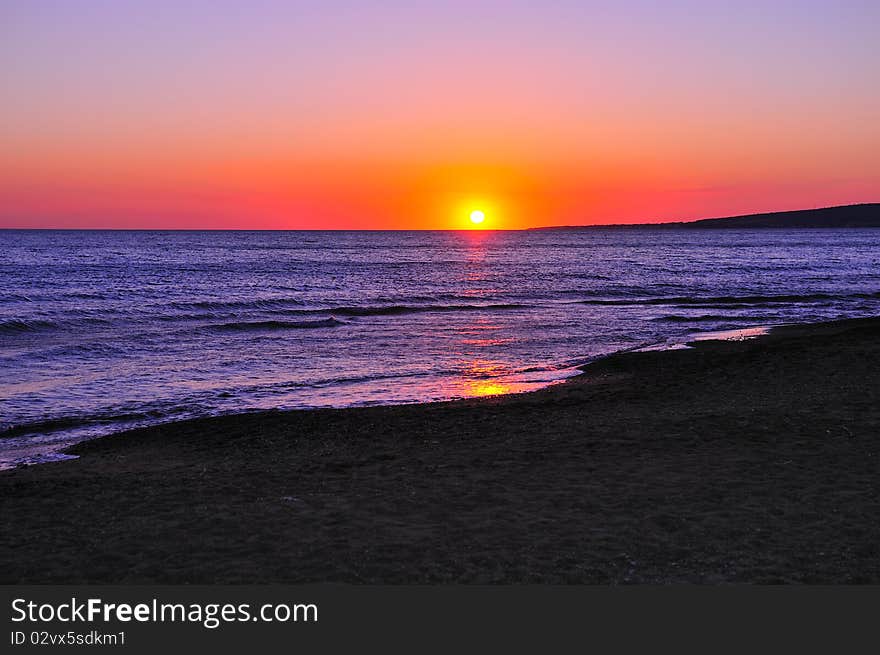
409,115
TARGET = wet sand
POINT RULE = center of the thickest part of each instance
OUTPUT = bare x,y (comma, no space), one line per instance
747,461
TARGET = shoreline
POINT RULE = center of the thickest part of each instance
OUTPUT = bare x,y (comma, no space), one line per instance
730,461
55,454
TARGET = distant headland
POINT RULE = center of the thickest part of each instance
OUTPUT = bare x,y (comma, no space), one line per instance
862,215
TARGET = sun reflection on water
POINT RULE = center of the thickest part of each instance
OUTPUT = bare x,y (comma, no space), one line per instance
488,388
483,338
482,377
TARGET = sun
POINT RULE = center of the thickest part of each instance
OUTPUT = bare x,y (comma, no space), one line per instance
477,217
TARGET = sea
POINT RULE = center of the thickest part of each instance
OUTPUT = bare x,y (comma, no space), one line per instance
101,331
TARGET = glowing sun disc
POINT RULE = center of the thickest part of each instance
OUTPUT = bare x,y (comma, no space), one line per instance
477,217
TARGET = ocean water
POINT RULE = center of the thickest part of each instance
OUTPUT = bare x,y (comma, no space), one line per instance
106,330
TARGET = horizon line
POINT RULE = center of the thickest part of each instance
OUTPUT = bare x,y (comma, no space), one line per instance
522,229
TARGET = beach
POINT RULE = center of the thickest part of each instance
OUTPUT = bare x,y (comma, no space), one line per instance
751,461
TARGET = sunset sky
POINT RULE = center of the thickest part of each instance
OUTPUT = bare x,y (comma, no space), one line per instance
289,115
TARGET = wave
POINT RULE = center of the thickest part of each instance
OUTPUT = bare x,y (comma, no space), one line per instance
320,383
278,325
39,427
56,296
677,318
294,306
85,317
111,417
14,297
81,295
729,301
16,325
386,310
262,303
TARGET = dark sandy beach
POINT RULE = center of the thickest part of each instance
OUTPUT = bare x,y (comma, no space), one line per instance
752,461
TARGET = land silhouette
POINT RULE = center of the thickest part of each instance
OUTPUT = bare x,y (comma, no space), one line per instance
858,216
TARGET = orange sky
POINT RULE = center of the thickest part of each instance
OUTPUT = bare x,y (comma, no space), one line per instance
348,116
